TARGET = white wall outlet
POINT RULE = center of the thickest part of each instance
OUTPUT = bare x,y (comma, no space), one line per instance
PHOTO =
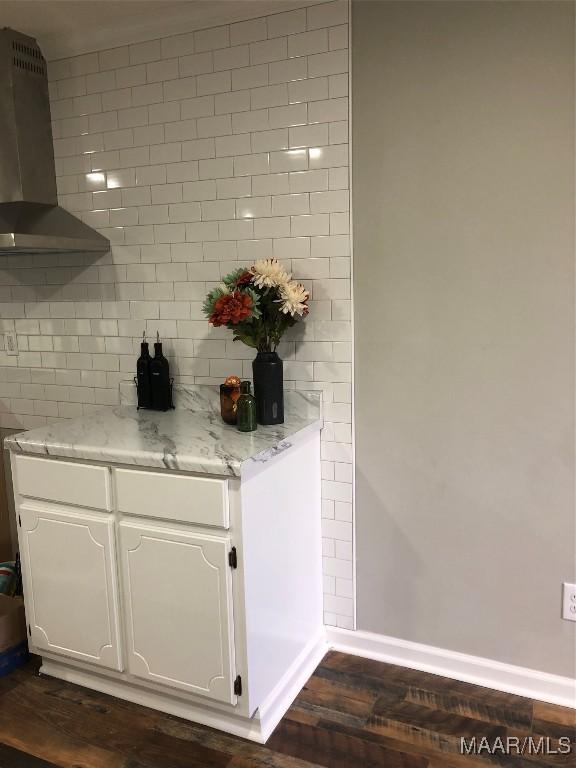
569,602
11,343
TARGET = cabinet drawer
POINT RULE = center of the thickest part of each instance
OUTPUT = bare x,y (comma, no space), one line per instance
184,499
79,484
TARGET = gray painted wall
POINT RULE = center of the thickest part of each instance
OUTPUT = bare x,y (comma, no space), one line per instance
463,170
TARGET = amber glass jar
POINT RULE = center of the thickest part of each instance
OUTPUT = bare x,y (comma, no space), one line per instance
229,394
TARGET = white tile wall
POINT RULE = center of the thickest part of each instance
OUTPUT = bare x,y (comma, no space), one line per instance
195,154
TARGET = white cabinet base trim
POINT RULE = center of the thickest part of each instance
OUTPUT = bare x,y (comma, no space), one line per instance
257,728
488,673
278,702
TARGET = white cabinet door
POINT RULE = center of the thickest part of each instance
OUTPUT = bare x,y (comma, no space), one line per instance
178,609
69,569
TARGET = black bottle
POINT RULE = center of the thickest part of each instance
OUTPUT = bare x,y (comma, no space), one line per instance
160,379
143,375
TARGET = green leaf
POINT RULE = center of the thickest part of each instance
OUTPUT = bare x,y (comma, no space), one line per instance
245,339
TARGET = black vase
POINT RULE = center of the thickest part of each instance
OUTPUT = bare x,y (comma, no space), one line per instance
268,375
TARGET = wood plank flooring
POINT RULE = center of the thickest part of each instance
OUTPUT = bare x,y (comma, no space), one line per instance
352,713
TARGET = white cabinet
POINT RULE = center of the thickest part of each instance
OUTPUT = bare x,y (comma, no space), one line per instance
177,595
198,500
198,595
68,564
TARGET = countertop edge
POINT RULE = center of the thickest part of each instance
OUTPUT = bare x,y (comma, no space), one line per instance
202,465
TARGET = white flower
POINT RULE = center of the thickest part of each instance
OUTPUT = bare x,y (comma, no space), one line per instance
269,273
294,296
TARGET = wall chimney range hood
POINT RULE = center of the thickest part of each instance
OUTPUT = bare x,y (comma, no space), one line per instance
30,219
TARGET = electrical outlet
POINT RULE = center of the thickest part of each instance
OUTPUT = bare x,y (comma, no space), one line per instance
10,343
569,602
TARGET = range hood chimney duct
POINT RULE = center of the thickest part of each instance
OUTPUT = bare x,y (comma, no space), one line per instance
30,219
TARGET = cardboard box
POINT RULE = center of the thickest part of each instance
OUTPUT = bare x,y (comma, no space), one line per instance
12,622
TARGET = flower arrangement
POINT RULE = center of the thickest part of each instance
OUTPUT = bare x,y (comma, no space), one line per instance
258,304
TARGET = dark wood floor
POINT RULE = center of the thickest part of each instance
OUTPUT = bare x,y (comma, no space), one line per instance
352,713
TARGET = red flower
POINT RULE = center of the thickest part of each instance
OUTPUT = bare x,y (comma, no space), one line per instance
231,308
244,279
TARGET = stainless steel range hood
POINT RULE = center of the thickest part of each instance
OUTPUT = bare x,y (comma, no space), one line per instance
30,219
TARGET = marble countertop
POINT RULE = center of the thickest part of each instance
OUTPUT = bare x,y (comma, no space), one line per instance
191,438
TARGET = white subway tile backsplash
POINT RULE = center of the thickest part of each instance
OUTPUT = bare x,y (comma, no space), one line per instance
249,77
273,184
198,149
338,37
235,187
309,181
308,90
330,157
232,58
117,99
213,210
177,45
263,141
199,190
209,39
130,76
249,165
332,63
288,160
269,96
197,107
217,82
327,14
274,226
201,231
220,125
205,151
149,134
287,205
338,178
328,111
238,144
268,50
285,117
147,94
245,122
184,212
308,135
100,81
328,202
218,168
220,251
253,207
236,230
234,101
141,53
288,70
196,64
115,58
159,71
248,31
308,43
307,225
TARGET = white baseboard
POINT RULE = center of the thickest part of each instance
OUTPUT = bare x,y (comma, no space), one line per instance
458,666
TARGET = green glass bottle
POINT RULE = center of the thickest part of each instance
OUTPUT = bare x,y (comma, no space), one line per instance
246,409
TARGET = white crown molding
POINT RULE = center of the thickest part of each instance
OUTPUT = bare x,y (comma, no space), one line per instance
521,681
187,19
